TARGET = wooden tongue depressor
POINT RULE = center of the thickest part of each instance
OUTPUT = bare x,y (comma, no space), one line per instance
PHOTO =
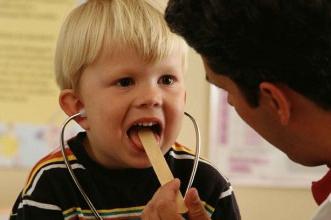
159,164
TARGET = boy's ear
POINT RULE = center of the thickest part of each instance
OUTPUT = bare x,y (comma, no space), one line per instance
69,102
276,98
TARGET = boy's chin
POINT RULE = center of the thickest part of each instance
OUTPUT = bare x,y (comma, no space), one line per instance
142,165
136,161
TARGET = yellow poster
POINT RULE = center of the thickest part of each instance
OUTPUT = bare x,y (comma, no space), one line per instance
29,110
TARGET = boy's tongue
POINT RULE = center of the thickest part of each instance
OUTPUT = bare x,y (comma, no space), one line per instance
133,135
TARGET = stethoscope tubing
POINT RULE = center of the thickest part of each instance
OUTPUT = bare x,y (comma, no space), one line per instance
80,188
197,151
71,172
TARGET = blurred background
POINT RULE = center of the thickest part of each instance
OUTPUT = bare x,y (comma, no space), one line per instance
266,183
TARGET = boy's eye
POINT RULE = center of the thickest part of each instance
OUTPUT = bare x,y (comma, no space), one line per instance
167,79
125,82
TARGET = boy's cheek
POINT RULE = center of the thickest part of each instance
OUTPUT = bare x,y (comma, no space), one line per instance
83,122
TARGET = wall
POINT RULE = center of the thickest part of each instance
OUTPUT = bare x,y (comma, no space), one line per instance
254,203
10,185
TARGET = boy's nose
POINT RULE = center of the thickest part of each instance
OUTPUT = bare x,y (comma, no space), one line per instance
151,97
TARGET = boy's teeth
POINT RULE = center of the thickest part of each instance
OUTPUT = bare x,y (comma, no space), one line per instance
146,124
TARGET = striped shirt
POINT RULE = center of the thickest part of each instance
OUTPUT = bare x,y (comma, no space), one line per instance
50,193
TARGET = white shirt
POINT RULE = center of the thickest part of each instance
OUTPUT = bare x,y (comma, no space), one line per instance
324,210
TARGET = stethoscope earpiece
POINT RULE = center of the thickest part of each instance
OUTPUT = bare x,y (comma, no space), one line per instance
82,113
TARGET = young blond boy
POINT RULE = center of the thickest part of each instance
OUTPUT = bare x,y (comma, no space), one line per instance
117,60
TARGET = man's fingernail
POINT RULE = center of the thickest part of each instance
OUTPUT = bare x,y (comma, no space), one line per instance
177,181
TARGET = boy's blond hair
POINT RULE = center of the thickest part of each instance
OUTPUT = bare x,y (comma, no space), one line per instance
105,24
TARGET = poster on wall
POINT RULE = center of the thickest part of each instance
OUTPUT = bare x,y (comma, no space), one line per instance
245,157
30,116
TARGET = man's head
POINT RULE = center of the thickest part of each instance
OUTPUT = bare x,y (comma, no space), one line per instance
273,57
285,42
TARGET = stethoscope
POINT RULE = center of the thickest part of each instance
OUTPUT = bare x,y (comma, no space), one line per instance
80,188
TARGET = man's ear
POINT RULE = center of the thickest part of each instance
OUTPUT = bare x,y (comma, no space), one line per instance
71,104
276,98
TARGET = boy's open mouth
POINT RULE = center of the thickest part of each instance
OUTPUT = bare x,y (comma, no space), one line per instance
132,132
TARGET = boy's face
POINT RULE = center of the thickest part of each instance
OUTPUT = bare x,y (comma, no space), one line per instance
121,93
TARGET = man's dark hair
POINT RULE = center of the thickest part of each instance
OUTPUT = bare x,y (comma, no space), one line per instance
251,41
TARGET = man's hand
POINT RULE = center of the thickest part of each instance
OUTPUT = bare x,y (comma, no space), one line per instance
195,208
163,204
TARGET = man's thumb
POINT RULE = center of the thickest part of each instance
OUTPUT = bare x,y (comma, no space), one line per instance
195,207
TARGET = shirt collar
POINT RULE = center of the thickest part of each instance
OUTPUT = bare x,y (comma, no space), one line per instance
322,188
